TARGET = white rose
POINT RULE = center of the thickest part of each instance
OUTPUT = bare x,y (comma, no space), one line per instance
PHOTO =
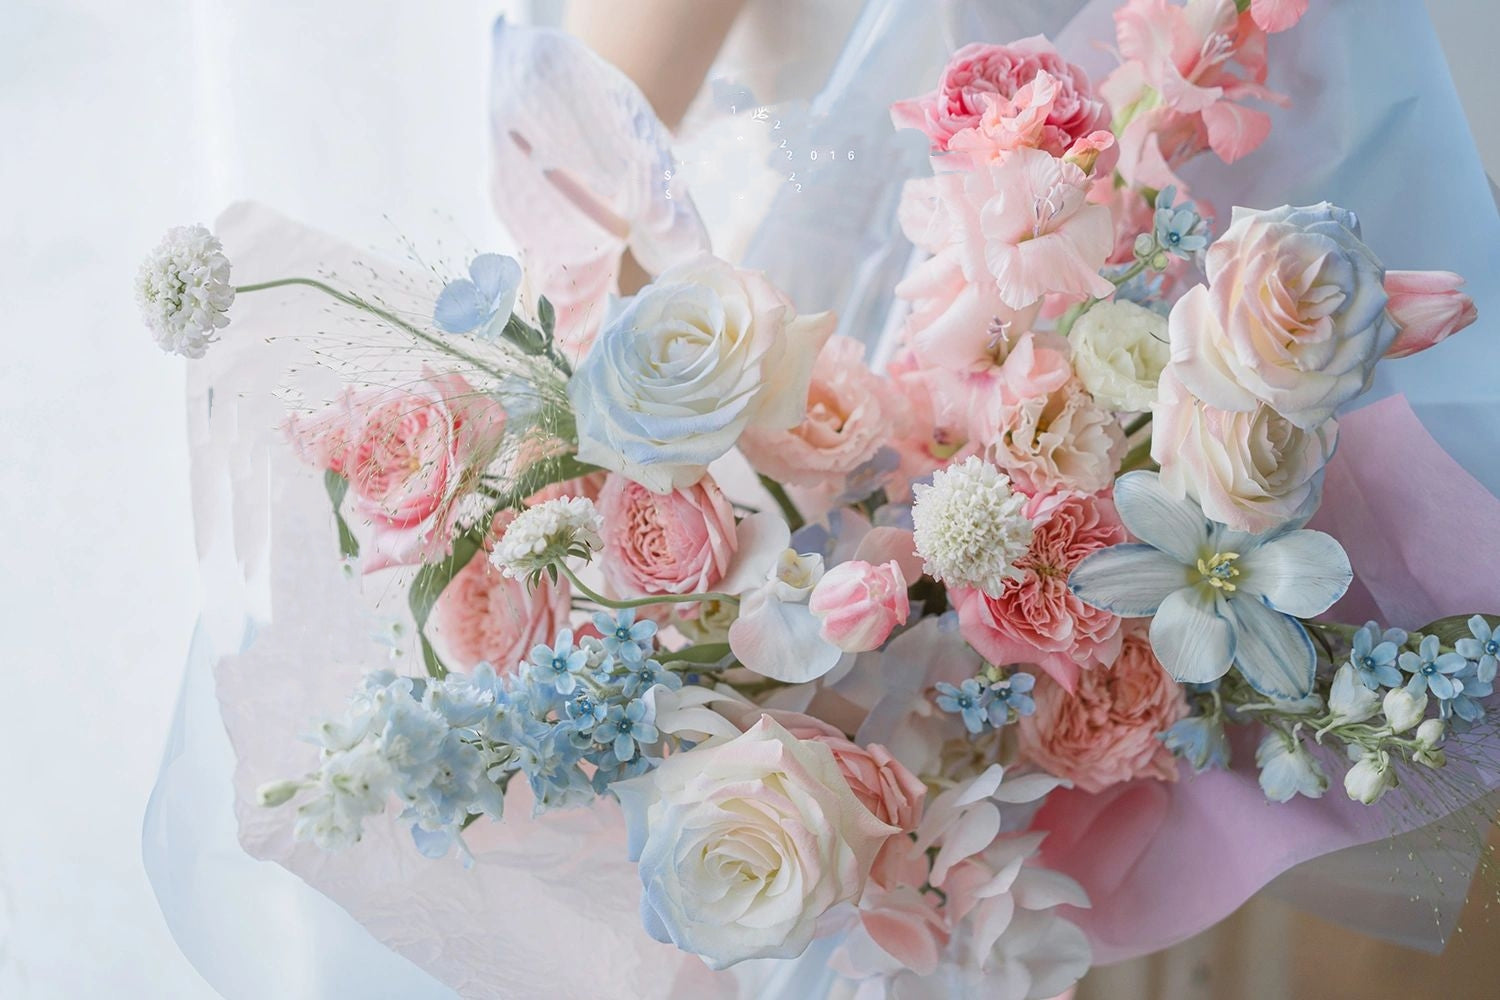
702,353
1119,351
744,844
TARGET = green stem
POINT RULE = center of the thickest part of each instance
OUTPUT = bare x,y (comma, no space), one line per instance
1065,325
1137,458
794,518
1139,423
374,310
641,602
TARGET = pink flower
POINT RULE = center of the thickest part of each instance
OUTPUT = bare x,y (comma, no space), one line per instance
930,439
410,455
1060,440
850,414
859,604
1036,618
1428,308
485,616
665,543
1021,123
1277,15
979,77
954,317
1104,732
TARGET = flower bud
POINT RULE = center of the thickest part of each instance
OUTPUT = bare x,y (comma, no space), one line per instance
1432,732
275,793
859,604
1428,308
1370,778
1403,710
1350,701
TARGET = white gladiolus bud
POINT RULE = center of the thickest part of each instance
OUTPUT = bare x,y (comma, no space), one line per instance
275,793
1403,710
1370,778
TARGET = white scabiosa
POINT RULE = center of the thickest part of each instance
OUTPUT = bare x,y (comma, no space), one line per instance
971,527
183,290
540,538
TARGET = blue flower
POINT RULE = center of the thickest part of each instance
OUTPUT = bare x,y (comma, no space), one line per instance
1431,671
1178,230
1011,694
625,638
560,664
584,712
483,302
1200,740
627,726
970,699
1484,648
1374,660
643,676
1219,597
1467,704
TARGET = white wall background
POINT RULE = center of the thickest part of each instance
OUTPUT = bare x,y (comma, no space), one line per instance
117,120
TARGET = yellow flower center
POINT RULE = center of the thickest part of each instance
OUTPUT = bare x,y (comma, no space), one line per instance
1219,571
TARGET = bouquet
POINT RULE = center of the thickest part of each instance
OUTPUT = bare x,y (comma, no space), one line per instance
910,678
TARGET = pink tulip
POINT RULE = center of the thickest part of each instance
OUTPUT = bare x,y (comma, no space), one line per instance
859,604
1428,307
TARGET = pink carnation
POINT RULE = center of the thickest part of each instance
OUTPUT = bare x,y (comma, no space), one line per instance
980,76
665,543
1036,618
851,413
1104,732
485,616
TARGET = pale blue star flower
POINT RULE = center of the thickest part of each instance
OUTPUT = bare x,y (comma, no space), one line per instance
1467,703
625,638
1483,648
1200,740
559,664
1432,670
1178,230
969,699
1374,656
641,677
627,726
1011,694
482,303
1218,597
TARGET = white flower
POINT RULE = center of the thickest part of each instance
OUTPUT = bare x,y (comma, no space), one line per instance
1349,701
183,290
1429,739
1370,778
1119,351
744,845
545,535
971,527
702,353
1287,769
1403,710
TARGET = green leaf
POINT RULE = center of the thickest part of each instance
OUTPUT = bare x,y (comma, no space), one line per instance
338,488
1242,5
525,336
547,472
707,652
1455,627
429,584
547,316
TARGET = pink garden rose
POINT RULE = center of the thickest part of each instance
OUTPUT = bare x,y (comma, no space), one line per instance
851,412
1035,618
979,77
485,616
1104,731
410,455
859,604
1427,307
665,543
1060,440
1251,471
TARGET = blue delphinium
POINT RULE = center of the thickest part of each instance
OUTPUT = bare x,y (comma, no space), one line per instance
482,303
1431,669
1374,654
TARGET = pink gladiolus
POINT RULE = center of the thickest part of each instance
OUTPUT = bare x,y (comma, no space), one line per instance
1428,307
1277,15
859,604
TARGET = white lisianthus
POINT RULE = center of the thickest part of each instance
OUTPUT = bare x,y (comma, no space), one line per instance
971,527
743,845
1119,351
699,355
183,290
1370,778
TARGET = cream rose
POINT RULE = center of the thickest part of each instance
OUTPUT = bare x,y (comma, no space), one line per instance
1293,316
1251,471
702,353
743,845
1119,351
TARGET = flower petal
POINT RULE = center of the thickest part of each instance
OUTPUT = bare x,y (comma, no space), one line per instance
498,279
780,640
1300,574
459,307
1129,580
1272,650
1156,517
1192,635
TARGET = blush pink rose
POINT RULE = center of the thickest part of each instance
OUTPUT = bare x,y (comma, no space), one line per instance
1036,618
1427,307
859,604
665,543
1104,732
979,76
1060,440
851,412
483,616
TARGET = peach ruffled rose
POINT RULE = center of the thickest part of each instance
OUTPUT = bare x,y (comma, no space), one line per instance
1104,732
483,616
665,543
1036,618
1060,440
